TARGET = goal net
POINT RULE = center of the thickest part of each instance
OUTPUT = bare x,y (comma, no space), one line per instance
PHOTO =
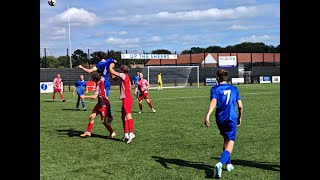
172,76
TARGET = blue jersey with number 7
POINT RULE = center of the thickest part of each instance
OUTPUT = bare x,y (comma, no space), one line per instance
227,96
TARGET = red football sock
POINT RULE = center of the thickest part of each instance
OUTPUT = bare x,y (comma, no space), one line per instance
150,104
90,126
54,96
140,106
131,125
61,95
126,126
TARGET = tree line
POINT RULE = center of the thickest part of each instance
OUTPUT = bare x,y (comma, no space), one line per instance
80,57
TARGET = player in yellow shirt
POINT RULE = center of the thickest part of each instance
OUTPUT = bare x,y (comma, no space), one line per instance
159,81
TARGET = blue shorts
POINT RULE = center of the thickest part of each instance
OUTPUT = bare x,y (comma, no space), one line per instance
80,92
107,88
228,129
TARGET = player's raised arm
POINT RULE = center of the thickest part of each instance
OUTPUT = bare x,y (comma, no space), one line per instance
86,69
113,73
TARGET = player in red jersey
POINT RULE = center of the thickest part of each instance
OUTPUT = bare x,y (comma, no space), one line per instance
57,88
126,97
102,107
143,86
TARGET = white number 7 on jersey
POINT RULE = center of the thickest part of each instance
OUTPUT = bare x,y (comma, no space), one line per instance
227,92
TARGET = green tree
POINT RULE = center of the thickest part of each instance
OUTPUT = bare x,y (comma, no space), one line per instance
79,57
214,49
51,62
42,62
249,47
161,51
185,52
278,48
197,50
94,59
64,61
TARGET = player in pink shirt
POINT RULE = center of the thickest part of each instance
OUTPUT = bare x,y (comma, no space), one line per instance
102,107
57,88
143,86
126,97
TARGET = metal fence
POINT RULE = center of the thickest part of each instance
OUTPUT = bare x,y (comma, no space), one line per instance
70,76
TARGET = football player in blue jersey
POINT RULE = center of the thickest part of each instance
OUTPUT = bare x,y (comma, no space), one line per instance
229,109
80,87
103,67
135,80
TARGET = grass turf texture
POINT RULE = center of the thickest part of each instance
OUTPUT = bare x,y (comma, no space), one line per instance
172,143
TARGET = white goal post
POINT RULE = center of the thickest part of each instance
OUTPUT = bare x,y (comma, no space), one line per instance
172,76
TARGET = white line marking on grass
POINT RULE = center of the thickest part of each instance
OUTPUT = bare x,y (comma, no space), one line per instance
170,98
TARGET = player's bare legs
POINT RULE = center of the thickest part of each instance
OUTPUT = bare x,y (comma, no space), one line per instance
140,105
150,105
108,126
61,96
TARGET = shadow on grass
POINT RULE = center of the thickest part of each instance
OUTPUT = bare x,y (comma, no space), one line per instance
143,112
197,165
54,101
261,165
136,112
50,101
70,109
76,133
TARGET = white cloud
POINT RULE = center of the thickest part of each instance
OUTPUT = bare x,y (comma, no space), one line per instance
57,33
145,24
155,39
238,27
77,17
195,15
255,38
122,32
119,41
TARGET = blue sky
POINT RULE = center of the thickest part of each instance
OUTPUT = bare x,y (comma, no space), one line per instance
175,25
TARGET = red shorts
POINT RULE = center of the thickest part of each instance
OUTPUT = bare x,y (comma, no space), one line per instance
102,110
127,105
57,90
143,96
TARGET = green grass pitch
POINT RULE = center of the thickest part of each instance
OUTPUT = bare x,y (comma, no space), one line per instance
172,143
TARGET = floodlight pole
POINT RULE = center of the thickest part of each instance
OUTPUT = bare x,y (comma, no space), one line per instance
69,37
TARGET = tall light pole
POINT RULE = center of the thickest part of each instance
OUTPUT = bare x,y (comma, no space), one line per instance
69,37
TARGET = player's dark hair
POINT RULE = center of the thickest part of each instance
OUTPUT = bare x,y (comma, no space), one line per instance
95,76
222,74
125,69
100,55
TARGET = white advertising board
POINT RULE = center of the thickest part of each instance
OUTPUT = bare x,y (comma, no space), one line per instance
275,79
237,80
47,87
227,61
149,56
265,79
